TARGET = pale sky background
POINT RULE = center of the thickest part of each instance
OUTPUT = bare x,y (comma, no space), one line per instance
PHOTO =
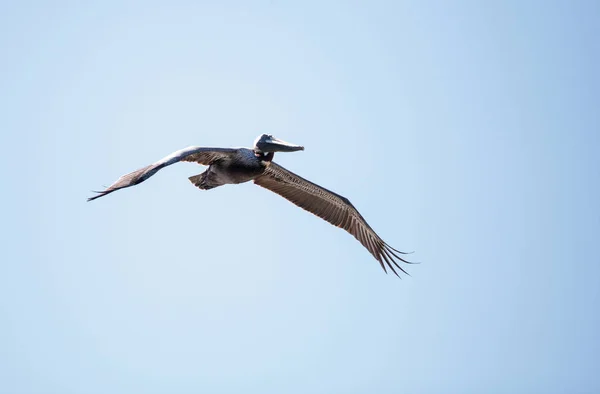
466,131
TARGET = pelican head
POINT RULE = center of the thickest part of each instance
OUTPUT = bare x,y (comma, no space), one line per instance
267,143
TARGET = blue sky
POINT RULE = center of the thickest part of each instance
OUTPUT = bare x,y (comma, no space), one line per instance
466,131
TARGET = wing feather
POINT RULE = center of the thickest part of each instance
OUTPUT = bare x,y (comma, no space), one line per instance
332,207
205,156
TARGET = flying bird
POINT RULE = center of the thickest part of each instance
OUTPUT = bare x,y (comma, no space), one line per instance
239,165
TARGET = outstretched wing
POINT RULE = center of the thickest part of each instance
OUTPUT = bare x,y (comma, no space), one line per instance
332,207
205,156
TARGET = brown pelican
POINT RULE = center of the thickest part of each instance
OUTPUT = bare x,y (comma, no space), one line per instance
238,165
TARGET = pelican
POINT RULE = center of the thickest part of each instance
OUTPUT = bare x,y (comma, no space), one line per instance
239,165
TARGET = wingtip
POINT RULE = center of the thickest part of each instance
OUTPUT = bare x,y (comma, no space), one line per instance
100,194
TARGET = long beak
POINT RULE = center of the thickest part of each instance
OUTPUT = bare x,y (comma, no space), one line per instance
277,145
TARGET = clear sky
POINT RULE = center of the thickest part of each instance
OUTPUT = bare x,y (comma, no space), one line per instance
468,132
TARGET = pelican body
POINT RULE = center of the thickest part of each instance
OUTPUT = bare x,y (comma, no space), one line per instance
239,165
